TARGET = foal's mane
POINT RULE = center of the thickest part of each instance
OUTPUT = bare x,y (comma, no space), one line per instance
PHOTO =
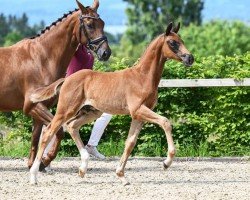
155,40
65,15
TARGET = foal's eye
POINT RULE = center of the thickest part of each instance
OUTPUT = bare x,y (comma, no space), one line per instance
173,44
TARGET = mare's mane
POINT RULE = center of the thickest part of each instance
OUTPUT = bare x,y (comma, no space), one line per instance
65,15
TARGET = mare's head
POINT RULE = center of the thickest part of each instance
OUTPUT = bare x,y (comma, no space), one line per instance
90,31
174,47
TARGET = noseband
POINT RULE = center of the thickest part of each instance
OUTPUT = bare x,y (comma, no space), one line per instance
95,44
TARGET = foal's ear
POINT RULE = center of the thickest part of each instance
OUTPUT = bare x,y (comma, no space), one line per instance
169,28
95,5
81,7
177,28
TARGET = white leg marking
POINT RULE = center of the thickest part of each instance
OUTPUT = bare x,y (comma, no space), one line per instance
34,171
84,164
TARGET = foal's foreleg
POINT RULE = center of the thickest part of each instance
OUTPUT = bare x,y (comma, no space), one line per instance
134,130
148,115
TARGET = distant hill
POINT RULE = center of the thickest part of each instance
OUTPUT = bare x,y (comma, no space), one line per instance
112,11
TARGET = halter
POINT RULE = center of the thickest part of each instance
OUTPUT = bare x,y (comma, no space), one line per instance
95,44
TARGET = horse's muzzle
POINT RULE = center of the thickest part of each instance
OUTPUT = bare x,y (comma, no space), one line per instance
103,54
187,59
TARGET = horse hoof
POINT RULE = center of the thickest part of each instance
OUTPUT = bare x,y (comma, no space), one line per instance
81,173
126,183
42,167
165,166
33,181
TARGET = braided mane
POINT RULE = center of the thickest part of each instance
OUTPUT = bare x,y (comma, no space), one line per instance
54,23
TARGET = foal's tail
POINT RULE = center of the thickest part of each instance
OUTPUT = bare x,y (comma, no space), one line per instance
47,92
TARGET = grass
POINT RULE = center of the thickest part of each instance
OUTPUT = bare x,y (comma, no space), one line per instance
15,149
193,150
18,148
112,148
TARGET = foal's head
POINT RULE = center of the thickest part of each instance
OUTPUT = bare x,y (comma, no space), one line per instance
174,47
90,31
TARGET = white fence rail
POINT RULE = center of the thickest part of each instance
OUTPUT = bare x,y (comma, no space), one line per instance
226,82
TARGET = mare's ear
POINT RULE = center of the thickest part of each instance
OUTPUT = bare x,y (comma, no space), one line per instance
177,28
169,28
81,7
95,5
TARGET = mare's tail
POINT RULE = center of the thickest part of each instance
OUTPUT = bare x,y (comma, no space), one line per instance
47,92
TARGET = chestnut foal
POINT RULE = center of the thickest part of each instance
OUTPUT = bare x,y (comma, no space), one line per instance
85,95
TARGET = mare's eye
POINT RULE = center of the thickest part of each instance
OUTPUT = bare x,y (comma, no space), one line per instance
90,26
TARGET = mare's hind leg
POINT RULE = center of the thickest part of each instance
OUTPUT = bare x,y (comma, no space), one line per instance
144,113
83,117
134,130
37,128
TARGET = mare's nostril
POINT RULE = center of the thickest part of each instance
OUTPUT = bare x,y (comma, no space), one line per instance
106,54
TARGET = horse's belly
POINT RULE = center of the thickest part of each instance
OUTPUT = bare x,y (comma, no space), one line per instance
10,101
110,106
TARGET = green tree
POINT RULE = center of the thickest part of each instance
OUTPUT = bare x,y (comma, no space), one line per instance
13,28
12,38
4,27
217,38
147,18
22,26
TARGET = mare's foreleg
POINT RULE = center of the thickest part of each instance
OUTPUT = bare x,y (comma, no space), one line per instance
144,113
134,131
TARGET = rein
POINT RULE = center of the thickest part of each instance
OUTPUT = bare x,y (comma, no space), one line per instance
94,44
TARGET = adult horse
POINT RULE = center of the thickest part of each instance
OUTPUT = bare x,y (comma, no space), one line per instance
132,91
39,61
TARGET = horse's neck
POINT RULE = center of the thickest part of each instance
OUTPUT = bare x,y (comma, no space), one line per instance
59,45
151,63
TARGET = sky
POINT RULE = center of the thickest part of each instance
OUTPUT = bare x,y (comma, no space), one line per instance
113,11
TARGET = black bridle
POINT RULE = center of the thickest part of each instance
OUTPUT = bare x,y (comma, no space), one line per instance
95,44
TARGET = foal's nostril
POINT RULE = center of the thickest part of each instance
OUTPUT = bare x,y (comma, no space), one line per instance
190,59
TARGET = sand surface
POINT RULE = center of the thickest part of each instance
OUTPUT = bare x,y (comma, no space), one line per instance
209,179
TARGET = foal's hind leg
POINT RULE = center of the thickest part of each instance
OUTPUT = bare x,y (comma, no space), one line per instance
144,113
41,116
134,130
47,136
83,117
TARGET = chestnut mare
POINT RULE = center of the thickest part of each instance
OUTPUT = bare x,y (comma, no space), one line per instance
39,61
85,95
